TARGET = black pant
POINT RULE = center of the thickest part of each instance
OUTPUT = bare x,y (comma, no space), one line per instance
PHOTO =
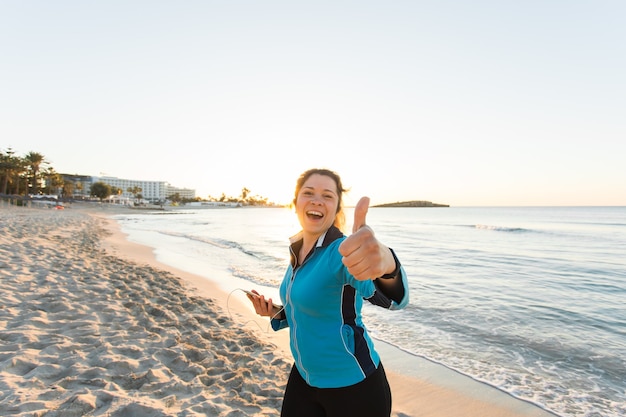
369,398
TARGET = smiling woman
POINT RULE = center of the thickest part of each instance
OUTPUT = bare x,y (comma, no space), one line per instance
337,370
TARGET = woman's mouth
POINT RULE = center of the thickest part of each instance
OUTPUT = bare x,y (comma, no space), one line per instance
313,214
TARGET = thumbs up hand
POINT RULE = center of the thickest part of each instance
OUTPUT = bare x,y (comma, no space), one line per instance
363,255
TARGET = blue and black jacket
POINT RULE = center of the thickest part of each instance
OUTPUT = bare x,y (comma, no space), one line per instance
322,308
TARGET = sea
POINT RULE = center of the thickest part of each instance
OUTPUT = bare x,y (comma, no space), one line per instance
530,300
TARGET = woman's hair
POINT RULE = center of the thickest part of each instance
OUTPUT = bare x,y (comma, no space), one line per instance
340,218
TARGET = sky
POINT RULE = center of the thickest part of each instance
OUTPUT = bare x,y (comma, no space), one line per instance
467,103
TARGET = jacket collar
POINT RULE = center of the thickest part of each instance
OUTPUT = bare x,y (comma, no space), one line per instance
332,234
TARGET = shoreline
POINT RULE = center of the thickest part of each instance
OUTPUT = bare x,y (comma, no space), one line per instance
439,380
420,387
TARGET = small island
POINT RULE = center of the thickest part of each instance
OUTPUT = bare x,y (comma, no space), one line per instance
413,203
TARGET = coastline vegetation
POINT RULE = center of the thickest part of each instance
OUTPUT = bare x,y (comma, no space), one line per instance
412,203
33,175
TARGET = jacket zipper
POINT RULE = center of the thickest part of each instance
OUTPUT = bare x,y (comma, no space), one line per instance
293,316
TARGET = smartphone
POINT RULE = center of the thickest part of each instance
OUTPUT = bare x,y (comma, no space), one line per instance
257,295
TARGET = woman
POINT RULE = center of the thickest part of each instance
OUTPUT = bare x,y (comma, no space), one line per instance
337,371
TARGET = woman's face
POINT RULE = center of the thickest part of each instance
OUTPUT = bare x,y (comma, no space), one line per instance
316,204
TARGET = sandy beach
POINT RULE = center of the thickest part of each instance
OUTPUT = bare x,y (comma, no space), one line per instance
92,325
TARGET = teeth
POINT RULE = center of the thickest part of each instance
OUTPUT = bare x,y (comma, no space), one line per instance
314,213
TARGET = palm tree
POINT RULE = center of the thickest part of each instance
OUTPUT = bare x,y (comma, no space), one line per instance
54,181
244,194
6,168
78,187
11,169
68,188
34,160
136,191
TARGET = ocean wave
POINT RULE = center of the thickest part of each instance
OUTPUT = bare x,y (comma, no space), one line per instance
501,228
223,244
252,277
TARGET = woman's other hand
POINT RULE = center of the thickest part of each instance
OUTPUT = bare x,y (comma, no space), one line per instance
262,306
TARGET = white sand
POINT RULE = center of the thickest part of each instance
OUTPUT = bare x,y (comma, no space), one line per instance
93,325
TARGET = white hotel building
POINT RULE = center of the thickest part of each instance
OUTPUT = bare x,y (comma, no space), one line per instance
152,191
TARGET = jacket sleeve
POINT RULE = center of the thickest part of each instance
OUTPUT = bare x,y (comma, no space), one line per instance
279,324
395,297
381,299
